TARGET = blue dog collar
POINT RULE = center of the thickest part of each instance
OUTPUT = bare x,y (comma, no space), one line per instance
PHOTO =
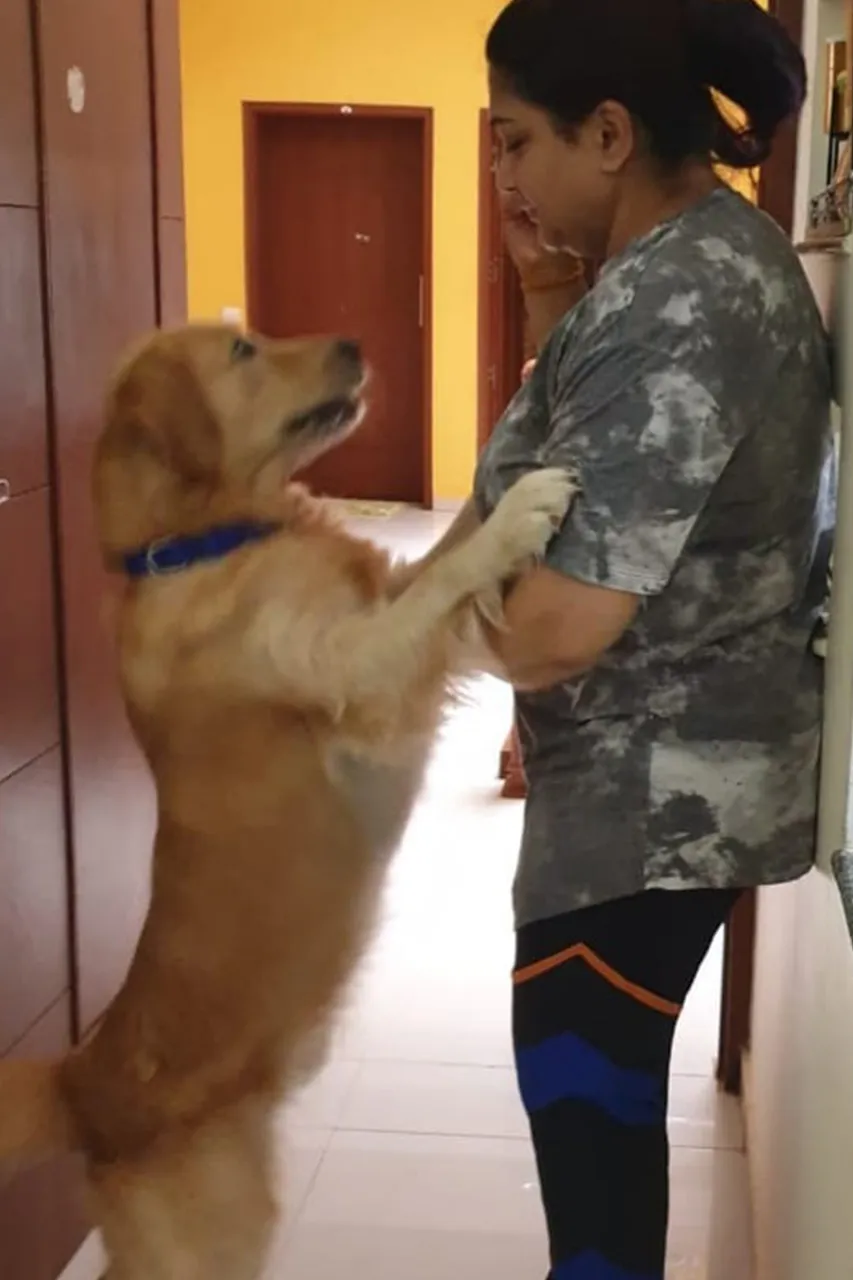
172,555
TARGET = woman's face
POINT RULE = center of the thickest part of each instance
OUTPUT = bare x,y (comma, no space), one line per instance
567,183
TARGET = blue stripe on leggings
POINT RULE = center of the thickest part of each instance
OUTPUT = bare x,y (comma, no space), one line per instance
566,1067
593,1266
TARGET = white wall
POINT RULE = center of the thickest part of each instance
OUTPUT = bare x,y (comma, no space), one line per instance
800,1085
799,1077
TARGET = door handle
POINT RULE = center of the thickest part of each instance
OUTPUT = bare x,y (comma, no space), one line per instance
5,491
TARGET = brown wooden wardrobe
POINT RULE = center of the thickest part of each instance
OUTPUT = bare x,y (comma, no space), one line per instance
91,253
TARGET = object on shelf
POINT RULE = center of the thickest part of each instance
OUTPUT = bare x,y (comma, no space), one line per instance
831,211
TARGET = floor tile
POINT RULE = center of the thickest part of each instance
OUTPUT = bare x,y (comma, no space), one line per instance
300,1154
701,1116
419,1208
422,1098
320,1103
327,1253
433,1021
710,1223
427,1208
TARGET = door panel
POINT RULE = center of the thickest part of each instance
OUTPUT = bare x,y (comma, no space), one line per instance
34,958
23,432
167,102
41,1210
501,302
18,182
173,272
337,215
29,713
102,272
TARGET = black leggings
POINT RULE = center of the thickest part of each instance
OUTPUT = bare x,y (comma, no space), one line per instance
597,997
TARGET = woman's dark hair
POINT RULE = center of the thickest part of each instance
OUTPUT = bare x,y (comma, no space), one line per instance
661,59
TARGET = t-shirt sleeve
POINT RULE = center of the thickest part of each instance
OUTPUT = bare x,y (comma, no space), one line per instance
642,425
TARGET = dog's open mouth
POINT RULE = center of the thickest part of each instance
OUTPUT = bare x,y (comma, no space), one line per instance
328,418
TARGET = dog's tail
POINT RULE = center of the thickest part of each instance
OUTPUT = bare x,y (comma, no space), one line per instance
34,1121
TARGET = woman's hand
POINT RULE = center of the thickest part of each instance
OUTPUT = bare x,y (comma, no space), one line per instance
552,280
521,233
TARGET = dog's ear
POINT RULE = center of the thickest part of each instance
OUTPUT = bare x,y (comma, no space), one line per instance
157,408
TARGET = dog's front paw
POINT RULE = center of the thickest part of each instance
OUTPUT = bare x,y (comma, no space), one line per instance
529,514
518,530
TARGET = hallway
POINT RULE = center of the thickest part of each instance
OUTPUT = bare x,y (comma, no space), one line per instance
408,1159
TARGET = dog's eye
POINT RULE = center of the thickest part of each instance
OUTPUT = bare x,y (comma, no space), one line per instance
243,349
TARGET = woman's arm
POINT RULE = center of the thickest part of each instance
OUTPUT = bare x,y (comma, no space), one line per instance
557,627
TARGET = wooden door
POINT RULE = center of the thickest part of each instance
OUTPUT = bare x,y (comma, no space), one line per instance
501,319
40,1223
98,162
337,242
29,704
18,161
170,222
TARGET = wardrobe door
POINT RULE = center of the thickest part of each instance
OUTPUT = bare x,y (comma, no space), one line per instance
29,710
98,159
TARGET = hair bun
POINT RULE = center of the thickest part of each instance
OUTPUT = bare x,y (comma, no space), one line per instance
740,50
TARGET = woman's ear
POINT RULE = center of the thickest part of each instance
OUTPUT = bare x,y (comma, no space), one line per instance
615,135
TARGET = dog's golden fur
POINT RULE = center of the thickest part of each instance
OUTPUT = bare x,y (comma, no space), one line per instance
286,697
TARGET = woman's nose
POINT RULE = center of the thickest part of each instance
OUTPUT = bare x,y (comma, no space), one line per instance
503,176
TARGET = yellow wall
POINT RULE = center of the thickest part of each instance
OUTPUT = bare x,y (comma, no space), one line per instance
402,52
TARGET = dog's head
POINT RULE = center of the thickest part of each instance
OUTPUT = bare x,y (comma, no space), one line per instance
205,423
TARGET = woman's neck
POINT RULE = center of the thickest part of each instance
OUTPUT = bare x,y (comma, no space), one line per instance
646,201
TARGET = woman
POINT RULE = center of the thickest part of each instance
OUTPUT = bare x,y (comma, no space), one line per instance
668,701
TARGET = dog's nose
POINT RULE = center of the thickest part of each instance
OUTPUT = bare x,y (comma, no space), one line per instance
350,350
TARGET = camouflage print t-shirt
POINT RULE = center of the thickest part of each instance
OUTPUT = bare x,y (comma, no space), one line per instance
690,391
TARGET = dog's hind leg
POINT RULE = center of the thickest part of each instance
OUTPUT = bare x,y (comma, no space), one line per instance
203,1209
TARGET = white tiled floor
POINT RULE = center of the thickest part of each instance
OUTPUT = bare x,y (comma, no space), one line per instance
408,1158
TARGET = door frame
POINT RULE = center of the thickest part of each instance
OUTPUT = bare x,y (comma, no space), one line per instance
253,114
500,322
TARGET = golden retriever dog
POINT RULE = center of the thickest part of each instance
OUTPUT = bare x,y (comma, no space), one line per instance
285,682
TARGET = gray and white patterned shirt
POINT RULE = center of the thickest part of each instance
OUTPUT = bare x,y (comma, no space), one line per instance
690,391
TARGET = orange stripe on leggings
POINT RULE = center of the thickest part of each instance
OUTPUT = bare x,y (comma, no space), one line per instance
582,952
